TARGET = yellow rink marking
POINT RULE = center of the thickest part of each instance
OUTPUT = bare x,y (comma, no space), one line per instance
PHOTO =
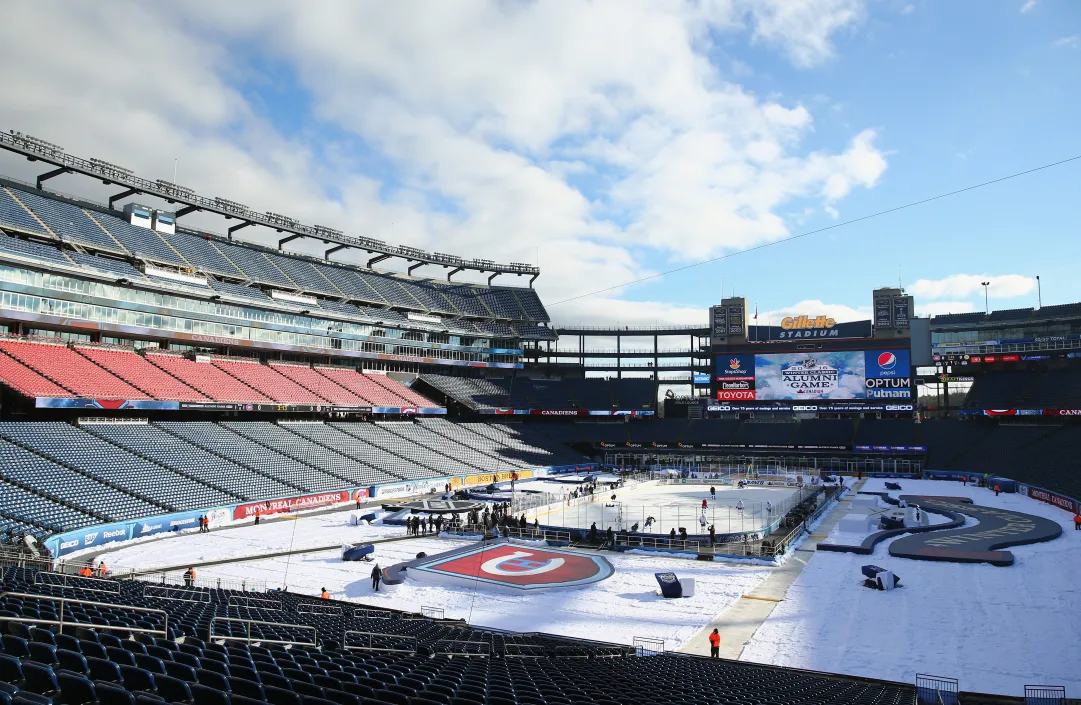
756,597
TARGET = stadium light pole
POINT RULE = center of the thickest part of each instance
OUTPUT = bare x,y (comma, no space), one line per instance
985,285
1039,293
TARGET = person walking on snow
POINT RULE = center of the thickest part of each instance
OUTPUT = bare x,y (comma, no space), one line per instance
715,644
1077,521
377,575
996,489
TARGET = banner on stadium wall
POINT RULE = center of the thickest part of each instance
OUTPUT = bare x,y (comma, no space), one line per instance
890,449
88,538
410,410
489,478
561,469
291,504
1061,501
168,522
105,404
1019,412
566,412
125,531
428,485
817,407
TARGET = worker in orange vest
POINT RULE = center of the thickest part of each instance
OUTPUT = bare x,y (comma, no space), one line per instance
189,577
258,513
87,571
1077,521
102,569
325,595
996,489
715,644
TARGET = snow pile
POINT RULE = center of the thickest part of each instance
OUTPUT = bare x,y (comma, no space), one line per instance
993,628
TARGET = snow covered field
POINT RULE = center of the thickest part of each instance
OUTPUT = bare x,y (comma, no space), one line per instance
994,628
617,609
674,506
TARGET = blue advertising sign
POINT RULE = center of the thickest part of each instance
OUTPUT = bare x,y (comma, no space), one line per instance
888,374
88,538
167,522
701,378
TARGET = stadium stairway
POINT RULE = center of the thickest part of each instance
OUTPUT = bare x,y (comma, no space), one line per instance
231,446
316,383
428,436
349,471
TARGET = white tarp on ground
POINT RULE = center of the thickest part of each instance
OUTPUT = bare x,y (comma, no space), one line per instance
995,629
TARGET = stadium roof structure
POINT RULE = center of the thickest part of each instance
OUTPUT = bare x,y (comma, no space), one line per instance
35,149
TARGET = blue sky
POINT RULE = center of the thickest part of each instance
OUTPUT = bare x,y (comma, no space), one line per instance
611,139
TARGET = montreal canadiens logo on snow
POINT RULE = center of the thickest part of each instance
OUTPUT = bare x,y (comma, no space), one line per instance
518,567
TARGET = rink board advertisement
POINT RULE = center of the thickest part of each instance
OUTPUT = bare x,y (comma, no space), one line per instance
851,375
291,504
102,534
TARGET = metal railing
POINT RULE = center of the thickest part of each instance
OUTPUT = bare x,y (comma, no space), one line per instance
933,690
524,651
316,608
171,592
647,646
1045,694
431,612
177,578
261,603
61,622
66,581
374,641
454,647
365,613
658,543
248,638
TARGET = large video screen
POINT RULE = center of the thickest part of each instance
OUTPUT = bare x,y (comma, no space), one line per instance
799,376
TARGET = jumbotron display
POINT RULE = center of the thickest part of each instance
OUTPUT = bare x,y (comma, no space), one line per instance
803,376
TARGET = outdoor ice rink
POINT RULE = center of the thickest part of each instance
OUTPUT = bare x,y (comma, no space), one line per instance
674,506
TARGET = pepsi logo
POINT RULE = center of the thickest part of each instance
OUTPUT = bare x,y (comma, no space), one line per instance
887,360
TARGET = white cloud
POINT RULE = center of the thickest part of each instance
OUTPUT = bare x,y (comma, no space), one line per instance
1028,6
1002,286
494,109
1071,42
804,29
815,307
938,308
